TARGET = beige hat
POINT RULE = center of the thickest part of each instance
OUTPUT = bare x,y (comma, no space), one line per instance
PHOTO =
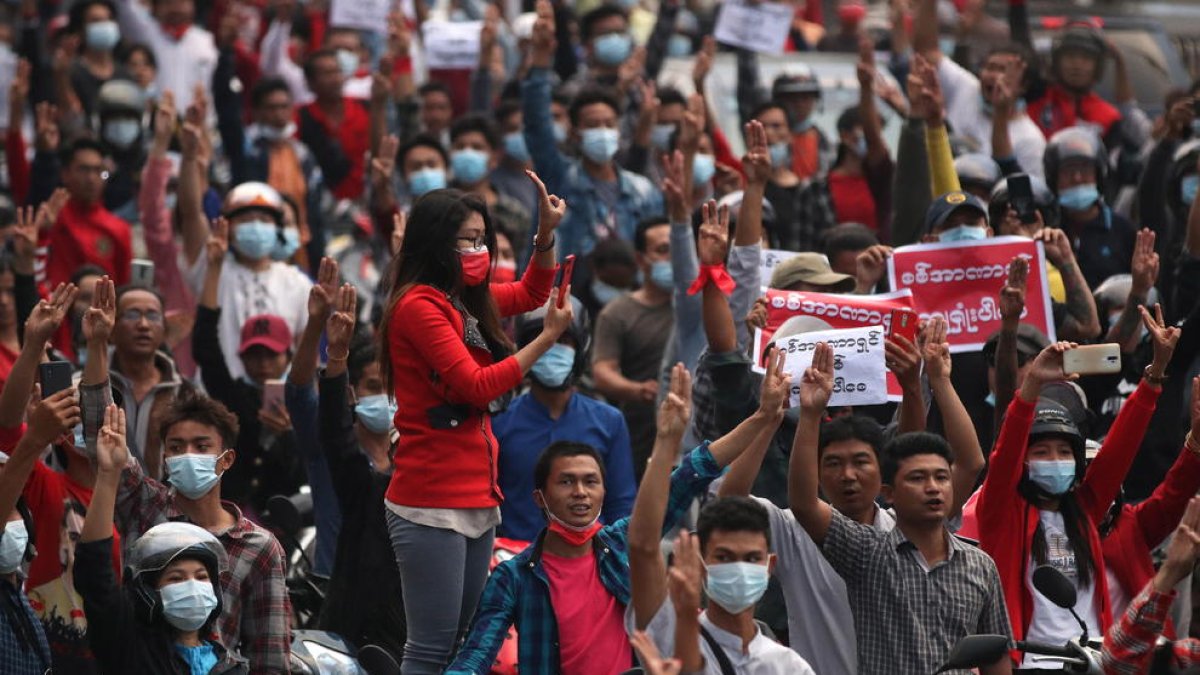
812,269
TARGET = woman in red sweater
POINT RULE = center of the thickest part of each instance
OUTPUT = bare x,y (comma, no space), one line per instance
447,360
1039,506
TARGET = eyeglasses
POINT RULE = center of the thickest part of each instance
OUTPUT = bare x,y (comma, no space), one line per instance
473,243
136,315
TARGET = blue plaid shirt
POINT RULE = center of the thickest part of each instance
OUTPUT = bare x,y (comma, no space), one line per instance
23,647
518,591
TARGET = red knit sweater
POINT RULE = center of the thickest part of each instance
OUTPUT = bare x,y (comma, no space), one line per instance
446,455
1007,522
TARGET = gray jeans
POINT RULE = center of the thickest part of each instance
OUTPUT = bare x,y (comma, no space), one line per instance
442,574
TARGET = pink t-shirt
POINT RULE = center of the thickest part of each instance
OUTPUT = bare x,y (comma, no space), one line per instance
591,628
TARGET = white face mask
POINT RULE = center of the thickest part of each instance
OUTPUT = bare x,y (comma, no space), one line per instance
13,544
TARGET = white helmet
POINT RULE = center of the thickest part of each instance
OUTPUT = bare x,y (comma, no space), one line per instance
254,195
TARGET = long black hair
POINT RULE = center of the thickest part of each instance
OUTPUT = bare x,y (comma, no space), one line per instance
1075,524
429,257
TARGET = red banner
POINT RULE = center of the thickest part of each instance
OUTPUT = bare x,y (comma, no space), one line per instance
961,281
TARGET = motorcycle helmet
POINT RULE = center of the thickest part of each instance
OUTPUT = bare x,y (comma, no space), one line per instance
1051,418
120,96
158,548
977,173
1043,201
799,80
1079,37
254,195
529,326
1070,144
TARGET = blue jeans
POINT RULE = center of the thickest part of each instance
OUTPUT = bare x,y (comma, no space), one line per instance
442,574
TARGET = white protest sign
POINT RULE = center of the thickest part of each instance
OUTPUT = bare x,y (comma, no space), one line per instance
361,14
451,44
759,27
768,258
859,372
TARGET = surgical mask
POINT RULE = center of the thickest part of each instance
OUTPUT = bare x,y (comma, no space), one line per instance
13,546
102,35
475,266
505,271
424,180
679,46
612,49
660,137
255,239
604,293
469,166
1188,188
1079,198
572,534
704,167
781,154
553,368
736,586
514,146
661,274
186,605
376,413
270,133
170,200
964,233
347,62
946,46
193,475
289,246
560,133
599,145
122,133
1055,476
860,146
803,125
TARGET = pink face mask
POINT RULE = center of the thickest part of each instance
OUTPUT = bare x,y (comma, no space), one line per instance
475,265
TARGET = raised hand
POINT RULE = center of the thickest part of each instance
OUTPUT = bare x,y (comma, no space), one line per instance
776,385
1012,295
676,409
816,387
757,318
218,244
340,328
702,65
673,183
870,266
1145,265
276,419
47,135
1057,246
633,69
686,576
1179,118
757,161
164,121
935,350
1183,550
324,292
112,452
692,125
558,317
714,234
99,319
382,84
190,142
653,662
383,165
551,208
904,360
399,227
542,40
53,416
49,313
865,68
1048,365
1163,337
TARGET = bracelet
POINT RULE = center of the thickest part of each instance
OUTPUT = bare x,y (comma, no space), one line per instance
547,247
719,277
343,357
1191,444
1155,380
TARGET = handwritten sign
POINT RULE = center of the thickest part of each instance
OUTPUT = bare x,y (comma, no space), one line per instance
961,281
451,44
361,14
768,260
760,27
859,373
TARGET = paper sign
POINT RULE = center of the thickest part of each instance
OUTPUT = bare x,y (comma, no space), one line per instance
961,281
859,373
451,45
759,27
768,258
369,15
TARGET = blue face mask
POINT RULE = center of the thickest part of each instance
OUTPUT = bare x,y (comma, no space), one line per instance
964,233
514,146
679,46
1187,189
599,145
102,35
704,167
612,49
289,246
560,133
193,475
13,544
781,154
1054,476
803,125
469,165
1079,198
661,274
424,180
860,146
554,367
605,293
660,137
122,133
347,62
376,413
187,604
255,239
736,586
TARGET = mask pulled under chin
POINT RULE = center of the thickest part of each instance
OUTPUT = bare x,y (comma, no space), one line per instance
574,536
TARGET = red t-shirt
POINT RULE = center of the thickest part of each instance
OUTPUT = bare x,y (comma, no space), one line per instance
852,200
353,136
88,233
591,622
7,358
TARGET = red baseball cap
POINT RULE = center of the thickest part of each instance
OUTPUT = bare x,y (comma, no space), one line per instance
268,330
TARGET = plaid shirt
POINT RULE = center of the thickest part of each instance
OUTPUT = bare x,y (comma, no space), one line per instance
1129,645
256,613
518,592
908,618
23,646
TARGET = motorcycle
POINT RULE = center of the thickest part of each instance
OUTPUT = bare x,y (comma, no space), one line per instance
1078,655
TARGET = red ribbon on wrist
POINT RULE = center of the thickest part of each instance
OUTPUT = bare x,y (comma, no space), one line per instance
717,275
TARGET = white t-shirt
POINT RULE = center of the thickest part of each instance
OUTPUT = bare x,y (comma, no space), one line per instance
1052,624
281,289
967,117
820,624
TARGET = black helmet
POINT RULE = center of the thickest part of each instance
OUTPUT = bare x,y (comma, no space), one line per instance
1043,200
1074,143
1183,163
1050,418
156,549
977,171
1080,37
529,326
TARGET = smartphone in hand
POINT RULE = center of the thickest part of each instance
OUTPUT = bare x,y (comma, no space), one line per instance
142,272
904,322
55,376
1020,197
564,278
1102,359
272,395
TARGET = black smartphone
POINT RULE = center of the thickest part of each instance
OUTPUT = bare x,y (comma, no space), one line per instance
1020,197
55,376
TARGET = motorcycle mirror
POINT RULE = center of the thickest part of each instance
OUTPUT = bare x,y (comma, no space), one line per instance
1055,586
377,661
974,651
